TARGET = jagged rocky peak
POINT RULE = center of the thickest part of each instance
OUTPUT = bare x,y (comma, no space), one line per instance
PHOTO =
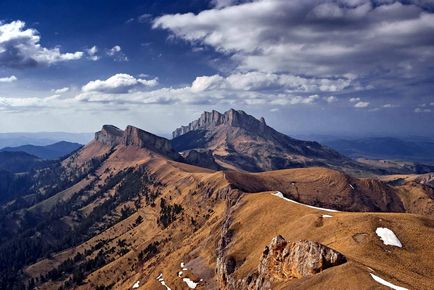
109,135
233,118
133,136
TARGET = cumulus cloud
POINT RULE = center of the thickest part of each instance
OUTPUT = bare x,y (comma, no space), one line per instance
385,39
117,54
361,104
20,47
260,81
8,79
210,90
354,100
118,84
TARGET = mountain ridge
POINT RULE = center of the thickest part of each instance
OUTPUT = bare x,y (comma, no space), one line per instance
49,152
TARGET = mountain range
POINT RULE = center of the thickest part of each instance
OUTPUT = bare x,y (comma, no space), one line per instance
389,148
48,152
228,203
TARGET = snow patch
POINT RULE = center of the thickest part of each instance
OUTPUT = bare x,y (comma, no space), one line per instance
327,216
190,283
388,237
385,283
279,194
160,279
136,285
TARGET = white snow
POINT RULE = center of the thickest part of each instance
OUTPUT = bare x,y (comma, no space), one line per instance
191,284
180,273
385,283
279,194
161,280
327,216
136,285
388,237
182,265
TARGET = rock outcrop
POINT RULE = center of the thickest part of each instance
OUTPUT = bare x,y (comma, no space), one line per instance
282,261
109,135
132,136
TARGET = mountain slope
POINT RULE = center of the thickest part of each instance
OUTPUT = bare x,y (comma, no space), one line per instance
18,161
130,210
51,152
239,140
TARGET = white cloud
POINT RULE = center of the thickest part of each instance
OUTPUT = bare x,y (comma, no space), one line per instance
92,53
354,100
361,105
422,110
118,84
20,47
204,83
314,38
32,103
259,81
61,91
389,106
331,99
116,53
8,79
144,18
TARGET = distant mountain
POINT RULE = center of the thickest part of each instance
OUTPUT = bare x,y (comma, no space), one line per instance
49,152
417,150
238,140
42,138
16,162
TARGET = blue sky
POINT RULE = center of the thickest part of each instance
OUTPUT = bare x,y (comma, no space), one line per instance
308,67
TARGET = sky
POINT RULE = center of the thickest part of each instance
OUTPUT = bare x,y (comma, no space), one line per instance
350,67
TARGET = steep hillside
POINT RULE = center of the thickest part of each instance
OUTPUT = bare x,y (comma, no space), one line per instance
240,141
52,151
128,213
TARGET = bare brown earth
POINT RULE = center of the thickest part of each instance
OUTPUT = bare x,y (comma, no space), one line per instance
232,214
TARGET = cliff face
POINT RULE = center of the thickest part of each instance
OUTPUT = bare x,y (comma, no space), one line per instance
213,119
282,261
109,135
132,136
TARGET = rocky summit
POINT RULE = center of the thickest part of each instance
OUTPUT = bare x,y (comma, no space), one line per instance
132,136
239,140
